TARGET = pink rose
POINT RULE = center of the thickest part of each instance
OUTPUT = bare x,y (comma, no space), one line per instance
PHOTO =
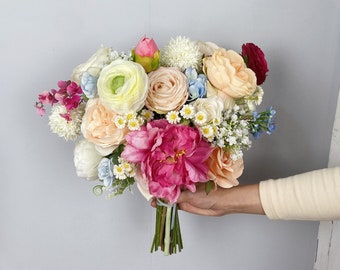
167,90
98,127
223,170
255,60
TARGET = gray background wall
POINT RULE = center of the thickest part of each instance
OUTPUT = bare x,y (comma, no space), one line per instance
49,219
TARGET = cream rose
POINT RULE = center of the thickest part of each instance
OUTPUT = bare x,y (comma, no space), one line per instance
223,170
98,127
167,90
94,65
86,160
227,72
212,107
123,86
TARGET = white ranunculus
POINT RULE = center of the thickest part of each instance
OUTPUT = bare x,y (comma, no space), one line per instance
93,65
211,106
86,160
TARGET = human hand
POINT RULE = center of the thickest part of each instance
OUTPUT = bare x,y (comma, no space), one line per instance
222,201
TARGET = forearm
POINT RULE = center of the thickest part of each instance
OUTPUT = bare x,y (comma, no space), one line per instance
243,199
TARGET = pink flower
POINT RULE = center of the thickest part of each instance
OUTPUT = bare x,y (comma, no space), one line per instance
47,98
171,157
147,54
146,47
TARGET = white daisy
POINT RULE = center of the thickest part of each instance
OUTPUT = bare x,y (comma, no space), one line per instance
200,118
173,117
147,114
133,124
119,121
188,111
119,172
207,131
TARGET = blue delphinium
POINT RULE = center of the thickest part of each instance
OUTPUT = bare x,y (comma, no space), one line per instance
89,85
105,172
263,122
196,84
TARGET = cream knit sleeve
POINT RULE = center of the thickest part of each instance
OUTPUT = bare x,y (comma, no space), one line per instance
313,195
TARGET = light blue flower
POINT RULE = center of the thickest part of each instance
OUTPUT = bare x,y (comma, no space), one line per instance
105,172
263,122
89,85
196,84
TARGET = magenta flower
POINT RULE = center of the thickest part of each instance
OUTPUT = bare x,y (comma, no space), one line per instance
171,157
69,94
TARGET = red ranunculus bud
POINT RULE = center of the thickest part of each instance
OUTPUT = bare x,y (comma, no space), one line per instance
255,60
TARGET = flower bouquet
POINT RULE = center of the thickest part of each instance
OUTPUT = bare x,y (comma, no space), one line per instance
163,119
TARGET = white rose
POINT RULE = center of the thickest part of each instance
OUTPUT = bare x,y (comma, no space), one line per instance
207,48
94,65
212,106
228,102
86,160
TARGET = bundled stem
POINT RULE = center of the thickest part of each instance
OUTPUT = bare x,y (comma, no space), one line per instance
167,229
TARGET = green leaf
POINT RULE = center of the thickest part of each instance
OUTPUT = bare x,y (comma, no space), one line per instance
208,186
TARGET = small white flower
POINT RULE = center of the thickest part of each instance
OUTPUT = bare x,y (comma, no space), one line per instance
234,118
200,118
119,172
129,116
231,140
133,124
173,117
207,131
147,114
119,121
236,108
243,123
188,111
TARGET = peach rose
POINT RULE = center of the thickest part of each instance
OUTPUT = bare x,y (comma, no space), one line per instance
98,127
227,72
223,170
167,90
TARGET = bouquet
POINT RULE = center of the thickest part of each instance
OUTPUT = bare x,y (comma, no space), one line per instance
164,120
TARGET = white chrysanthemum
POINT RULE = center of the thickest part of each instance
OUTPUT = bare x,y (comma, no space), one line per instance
181,52
200,118
188,111
173,117
119,121
69,130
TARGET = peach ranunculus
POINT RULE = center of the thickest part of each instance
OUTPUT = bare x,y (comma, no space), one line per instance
167,90
223,170
98,127
229,75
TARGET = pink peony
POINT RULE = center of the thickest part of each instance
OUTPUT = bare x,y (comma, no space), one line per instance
170,156
255,60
